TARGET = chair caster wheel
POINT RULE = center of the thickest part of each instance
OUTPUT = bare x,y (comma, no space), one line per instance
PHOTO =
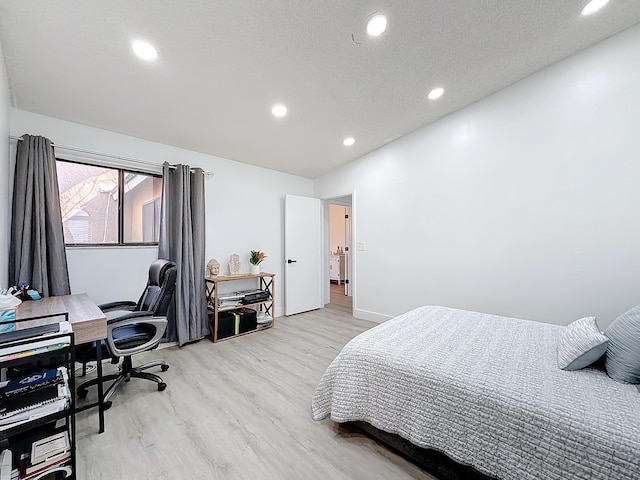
107,405
164,368
83,394
162,386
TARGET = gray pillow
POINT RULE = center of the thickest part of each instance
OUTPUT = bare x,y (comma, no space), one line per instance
581,344
623,354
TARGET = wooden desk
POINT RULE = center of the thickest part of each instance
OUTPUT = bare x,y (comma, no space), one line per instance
88,322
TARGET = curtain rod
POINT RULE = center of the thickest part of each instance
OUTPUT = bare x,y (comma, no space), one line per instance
107,155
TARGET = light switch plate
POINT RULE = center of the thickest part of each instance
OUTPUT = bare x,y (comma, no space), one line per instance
360,246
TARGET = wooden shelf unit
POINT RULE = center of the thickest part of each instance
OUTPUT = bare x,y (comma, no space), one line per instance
268,307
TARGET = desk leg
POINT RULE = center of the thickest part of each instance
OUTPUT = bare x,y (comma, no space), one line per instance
100,386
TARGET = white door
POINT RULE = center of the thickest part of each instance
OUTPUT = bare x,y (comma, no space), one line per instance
302,254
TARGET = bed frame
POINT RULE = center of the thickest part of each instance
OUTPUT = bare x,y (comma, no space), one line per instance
432,461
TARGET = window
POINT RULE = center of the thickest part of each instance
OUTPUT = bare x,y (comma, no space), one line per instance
108,206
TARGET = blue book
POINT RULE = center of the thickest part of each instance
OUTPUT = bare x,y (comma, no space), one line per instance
33,381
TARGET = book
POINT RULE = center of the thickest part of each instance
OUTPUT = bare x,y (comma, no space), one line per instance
50,447
32,382
231,296
41,467
16,403
31,332
28,353
34,413
46,340
37,403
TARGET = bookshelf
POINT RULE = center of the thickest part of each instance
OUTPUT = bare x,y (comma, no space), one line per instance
220,303
37,405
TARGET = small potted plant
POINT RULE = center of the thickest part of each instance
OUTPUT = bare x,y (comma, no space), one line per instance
255,259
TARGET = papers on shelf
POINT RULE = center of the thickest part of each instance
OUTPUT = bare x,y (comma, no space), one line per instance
39,344
49,448
34,413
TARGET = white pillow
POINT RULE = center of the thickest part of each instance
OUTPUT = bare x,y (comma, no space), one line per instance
581,344
623,353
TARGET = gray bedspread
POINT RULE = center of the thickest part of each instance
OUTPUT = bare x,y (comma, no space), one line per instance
485,390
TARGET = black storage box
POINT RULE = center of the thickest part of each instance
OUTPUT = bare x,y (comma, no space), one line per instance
248,319
226,324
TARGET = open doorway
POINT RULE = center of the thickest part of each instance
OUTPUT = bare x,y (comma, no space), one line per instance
340,258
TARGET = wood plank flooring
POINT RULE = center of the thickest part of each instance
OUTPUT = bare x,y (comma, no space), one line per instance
239,409
339,301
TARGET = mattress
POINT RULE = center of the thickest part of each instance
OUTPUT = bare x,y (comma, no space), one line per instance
486,391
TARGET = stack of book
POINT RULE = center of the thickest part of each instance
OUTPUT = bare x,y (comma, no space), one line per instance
34,396
45,456
48,453
42,339
243,297
230,300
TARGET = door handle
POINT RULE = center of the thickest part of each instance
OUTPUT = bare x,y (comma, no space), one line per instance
291,261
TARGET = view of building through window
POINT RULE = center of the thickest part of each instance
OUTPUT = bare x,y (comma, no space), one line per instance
90,197
141,207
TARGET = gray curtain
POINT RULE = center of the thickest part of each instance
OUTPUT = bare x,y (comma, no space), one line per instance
37,254
182,241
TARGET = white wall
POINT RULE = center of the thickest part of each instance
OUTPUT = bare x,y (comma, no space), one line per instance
336,227
5,200
244,209
524,204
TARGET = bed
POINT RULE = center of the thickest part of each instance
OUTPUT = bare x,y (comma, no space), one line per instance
486,391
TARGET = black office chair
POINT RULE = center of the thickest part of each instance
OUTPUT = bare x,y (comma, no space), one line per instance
135,327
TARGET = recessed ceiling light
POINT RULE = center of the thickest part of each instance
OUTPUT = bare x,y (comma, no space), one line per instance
593,6
347,142
376,25
144,50
279,110
436,93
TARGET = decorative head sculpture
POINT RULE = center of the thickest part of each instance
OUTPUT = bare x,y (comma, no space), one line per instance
213,268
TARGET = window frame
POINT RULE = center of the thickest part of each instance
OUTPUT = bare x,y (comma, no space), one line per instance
122,171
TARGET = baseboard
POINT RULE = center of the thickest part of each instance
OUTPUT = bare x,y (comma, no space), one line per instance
371,316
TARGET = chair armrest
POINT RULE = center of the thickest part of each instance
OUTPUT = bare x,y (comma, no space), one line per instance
160,324
117,305
128,316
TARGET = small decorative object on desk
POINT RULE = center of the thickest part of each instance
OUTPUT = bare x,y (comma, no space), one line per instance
213,268
234,264
255,259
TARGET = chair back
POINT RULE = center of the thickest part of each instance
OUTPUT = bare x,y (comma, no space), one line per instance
160,286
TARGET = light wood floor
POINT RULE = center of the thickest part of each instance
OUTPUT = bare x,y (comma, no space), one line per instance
238,409
339,301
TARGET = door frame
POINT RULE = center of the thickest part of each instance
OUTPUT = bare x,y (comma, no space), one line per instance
325,244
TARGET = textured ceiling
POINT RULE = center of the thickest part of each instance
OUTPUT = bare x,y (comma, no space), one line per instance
222,64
